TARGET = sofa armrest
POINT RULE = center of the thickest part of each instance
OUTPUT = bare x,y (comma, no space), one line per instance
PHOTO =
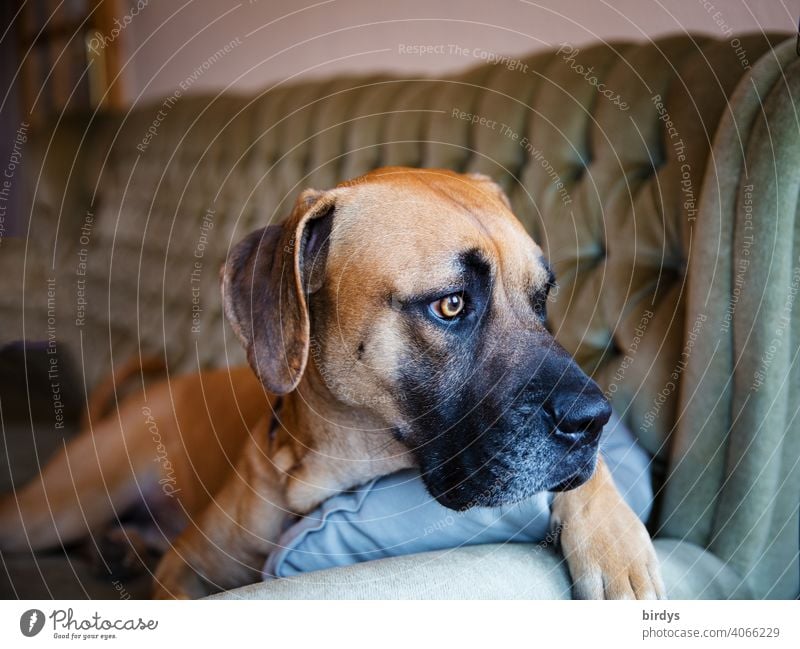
510,571
735,458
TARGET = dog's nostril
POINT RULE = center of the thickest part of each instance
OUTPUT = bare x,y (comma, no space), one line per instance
579,416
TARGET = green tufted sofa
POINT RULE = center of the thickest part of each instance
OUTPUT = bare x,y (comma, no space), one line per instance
671,223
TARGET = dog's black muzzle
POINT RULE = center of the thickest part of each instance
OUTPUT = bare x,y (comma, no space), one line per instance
521,436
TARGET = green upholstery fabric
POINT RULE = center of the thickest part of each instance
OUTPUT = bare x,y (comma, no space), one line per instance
514,571
735,469
645,236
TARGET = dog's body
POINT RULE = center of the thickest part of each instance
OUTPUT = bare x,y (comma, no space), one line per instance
401,315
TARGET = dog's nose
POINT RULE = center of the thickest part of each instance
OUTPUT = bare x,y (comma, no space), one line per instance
580,416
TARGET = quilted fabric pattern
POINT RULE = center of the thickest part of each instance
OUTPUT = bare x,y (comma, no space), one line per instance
637,208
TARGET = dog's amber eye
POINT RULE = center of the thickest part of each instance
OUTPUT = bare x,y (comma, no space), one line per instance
448,307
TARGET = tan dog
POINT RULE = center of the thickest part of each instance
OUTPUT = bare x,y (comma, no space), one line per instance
402,316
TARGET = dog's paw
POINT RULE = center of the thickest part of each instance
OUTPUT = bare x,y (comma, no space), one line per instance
120,552
174,579
609,554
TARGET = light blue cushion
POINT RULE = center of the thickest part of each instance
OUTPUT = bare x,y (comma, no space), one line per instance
394,515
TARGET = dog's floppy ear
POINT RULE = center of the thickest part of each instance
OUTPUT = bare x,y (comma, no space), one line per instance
491,186
265,281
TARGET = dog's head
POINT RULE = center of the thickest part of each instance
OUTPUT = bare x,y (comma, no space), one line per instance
418,296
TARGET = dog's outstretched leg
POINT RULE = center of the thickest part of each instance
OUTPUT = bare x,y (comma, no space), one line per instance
608,550
80,489
87,481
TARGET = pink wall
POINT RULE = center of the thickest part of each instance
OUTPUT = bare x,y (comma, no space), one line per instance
170,42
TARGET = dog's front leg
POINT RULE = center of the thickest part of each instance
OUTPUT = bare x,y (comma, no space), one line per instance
226,545
608,550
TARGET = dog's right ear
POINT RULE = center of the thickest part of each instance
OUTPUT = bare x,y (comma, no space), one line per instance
265,281
491,186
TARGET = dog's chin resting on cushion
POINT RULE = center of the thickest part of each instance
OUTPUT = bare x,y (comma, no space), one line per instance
395,515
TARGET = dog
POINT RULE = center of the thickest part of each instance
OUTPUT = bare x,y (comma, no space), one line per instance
395,321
